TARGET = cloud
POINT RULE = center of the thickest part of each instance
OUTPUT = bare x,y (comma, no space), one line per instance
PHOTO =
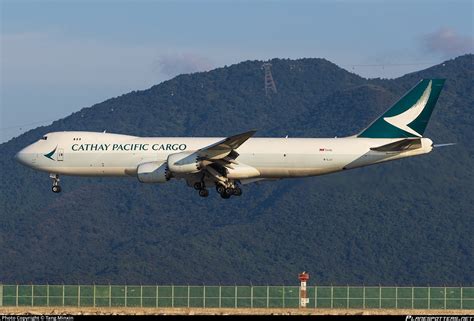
184,63
447,42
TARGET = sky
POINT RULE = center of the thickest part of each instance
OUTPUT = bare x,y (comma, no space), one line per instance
60,56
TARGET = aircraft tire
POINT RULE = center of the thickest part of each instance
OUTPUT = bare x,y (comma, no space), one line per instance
220,189
225,195
203,193
237,191
56,189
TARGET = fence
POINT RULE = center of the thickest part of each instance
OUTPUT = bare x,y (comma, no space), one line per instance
366,297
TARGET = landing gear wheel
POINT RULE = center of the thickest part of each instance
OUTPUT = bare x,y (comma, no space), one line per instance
56,188
203,193
229,191
225,195
237,191
198,185
220,189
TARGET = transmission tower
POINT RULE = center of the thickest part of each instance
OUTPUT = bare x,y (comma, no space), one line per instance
269,82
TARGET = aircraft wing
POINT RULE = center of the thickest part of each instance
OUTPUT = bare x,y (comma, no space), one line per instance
225,147
220,157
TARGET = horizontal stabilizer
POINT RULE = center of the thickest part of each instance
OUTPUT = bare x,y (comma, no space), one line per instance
399,146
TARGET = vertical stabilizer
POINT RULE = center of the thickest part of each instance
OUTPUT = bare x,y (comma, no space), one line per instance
409,116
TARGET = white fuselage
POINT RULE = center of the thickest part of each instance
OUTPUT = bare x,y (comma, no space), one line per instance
105,154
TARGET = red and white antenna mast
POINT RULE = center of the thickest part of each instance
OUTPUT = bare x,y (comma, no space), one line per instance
304,300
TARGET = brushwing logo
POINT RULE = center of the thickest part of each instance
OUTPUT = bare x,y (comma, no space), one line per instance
51,153
402,120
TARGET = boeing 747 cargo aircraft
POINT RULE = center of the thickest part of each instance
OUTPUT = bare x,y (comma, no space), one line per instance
228,163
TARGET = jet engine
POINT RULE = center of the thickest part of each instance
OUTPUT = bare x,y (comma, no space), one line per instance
184,163
153,172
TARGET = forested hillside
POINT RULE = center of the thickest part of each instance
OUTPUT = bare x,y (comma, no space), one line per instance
405,222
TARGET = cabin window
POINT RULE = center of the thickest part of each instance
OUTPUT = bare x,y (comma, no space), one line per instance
44,138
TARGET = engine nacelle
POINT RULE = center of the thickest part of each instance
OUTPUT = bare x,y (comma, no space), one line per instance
184,163
153,172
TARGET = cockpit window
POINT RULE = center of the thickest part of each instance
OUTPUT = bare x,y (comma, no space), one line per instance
44,138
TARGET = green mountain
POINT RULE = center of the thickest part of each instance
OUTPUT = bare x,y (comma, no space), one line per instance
406,222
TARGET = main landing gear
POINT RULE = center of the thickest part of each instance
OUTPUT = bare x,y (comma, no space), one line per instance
227,192
225,189
203,192
56,188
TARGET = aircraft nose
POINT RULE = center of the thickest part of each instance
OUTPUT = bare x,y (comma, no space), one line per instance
22,157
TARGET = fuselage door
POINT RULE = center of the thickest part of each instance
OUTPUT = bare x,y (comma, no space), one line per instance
60,154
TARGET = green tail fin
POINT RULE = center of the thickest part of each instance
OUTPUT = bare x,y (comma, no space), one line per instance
410,115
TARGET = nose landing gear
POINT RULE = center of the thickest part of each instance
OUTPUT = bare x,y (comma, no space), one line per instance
56,188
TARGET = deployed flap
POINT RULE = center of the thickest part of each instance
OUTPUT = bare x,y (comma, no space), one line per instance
224,147
399,146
